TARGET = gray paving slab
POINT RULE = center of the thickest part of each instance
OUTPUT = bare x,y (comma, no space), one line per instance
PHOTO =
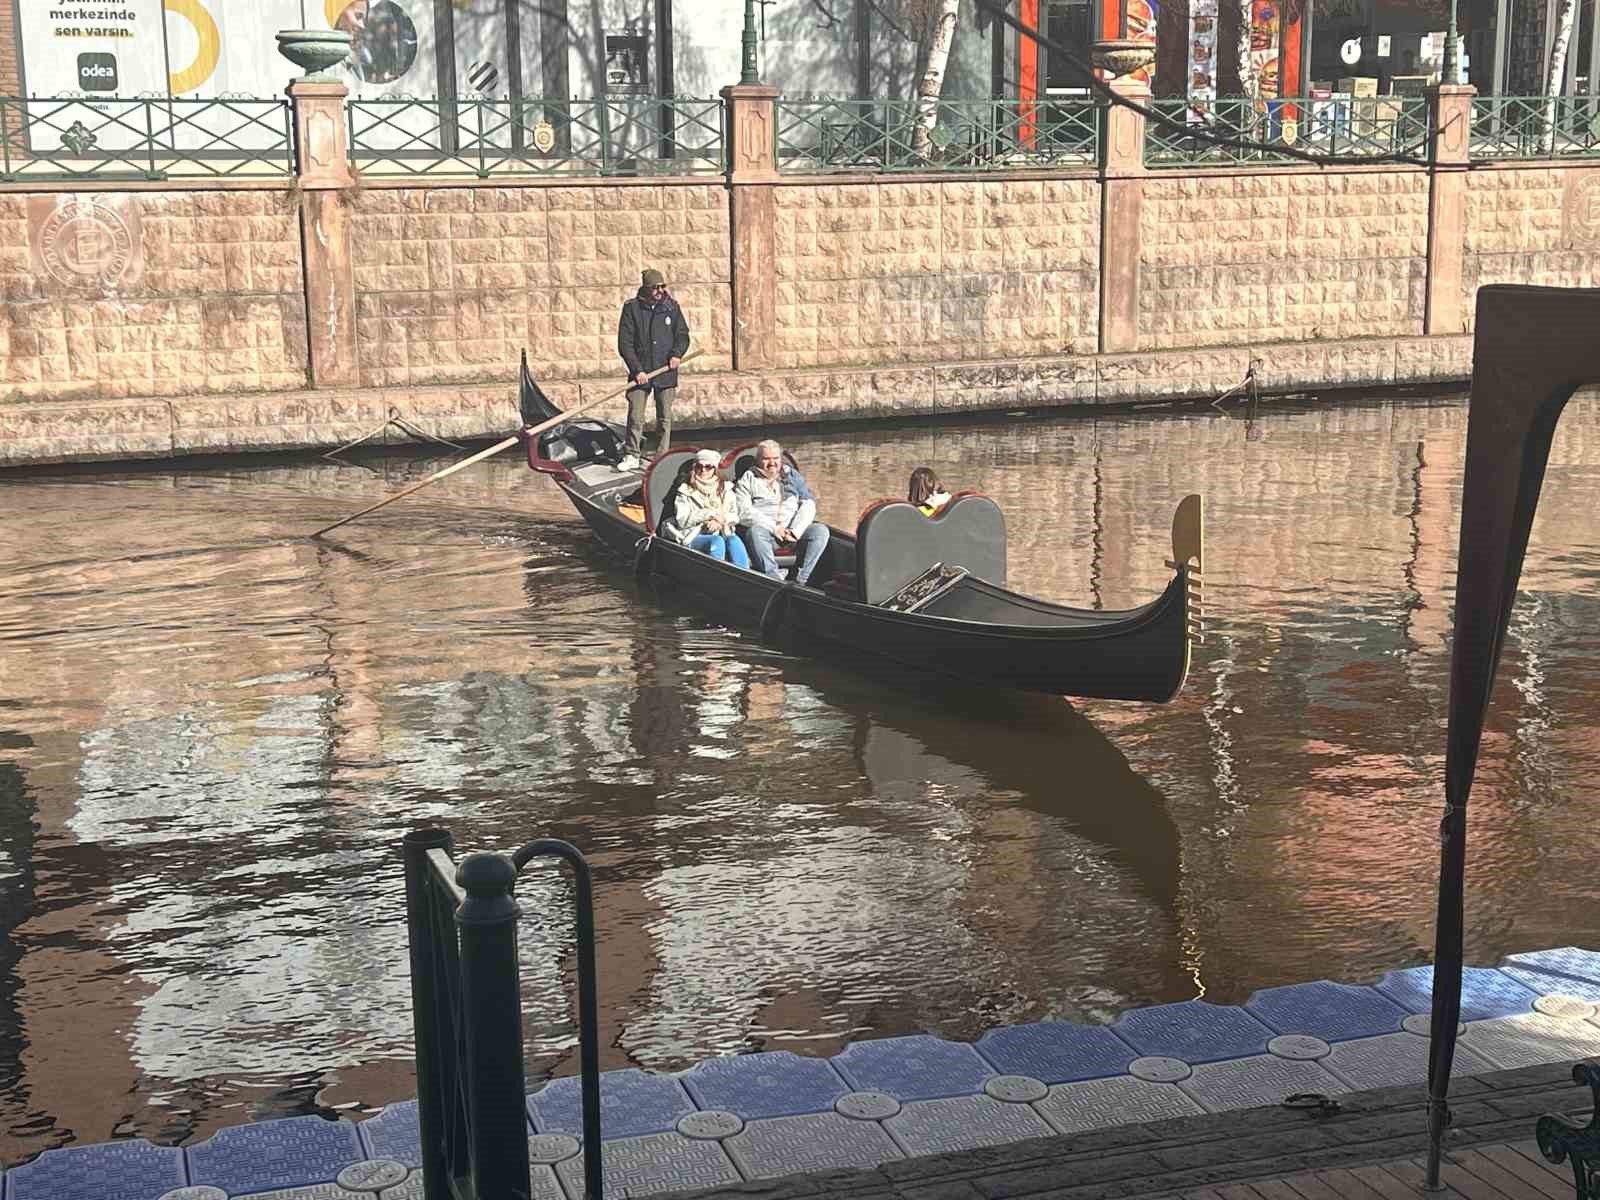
1119,1100
320,1191
1260,1079
815,1142
1392,1060
1530,1038
963,1123
658,1162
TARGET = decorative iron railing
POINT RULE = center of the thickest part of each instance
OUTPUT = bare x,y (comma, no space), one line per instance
484,138
1357,127
82,137
968,135
467,1015
1534,126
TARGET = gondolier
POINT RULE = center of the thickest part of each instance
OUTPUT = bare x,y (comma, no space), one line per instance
651,333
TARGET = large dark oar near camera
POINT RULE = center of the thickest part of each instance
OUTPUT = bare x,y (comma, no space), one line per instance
532,431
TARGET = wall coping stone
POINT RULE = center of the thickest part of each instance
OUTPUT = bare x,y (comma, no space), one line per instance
59,431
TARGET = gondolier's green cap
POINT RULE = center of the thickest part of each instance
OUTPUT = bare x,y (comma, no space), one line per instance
652,278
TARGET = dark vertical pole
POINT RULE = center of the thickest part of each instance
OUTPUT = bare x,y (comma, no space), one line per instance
589,1029
863,29
554,46
1307,30
588,1001
1594,51
431,1041
444,55
491,1012
667,85
514,74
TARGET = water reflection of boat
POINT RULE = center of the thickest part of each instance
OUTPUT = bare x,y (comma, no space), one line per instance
1043,754
920,591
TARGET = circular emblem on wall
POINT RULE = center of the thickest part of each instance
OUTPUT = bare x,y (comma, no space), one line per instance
84,245
1290,131
1581,212
544,137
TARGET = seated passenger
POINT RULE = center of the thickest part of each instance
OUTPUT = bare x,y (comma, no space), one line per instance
776,515
926,492
704,513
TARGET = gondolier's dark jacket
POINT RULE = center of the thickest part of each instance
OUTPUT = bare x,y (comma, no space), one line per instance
649,334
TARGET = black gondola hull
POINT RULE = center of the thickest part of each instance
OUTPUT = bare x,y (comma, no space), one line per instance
1142,655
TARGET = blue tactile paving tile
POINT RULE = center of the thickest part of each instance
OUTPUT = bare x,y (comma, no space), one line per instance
963,1123
816,1142
1485,992
1194,1031
133,1170
661,1162
1334,1012
774,1084
1554,985
1056,1051
921,1067
1568,961
294,1152
394,1133
632,1103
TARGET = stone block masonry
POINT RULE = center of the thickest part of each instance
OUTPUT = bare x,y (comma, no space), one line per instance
256,314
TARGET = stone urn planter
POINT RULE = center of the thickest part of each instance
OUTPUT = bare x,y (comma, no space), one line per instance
315,51
1123,56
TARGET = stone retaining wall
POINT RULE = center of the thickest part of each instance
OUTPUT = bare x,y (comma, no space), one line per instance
810,297
67,432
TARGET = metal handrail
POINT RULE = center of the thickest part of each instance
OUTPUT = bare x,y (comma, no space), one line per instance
820,136
632,135
1351,127
467,1017
1534,127
148,138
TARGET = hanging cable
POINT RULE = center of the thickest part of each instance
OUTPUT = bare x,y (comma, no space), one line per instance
1408,155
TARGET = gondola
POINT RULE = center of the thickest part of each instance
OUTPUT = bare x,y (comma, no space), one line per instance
924,592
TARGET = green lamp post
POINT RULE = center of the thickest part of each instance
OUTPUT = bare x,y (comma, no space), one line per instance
751,72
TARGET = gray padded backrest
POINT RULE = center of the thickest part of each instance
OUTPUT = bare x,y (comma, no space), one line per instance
895,543
658,482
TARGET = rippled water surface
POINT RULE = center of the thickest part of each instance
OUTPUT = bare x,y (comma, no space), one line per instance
214,732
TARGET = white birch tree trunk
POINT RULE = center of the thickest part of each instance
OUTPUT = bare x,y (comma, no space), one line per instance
1556,79
944,31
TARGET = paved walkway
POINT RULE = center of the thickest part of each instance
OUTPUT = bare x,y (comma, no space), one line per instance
1373,1148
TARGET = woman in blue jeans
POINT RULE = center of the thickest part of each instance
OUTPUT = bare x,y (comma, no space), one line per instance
704,515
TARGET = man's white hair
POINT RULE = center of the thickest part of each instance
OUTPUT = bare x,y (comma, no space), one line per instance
769,444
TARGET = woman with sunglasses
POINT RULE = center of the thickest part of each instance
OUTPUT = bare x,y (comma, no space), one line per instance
705,515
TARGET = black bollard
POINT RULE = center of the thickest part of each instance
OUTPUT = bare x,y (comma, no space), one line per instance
427,928
491,1011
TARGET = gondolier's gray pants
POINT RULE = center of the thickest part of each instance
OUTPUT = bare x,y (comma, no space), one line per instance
636,402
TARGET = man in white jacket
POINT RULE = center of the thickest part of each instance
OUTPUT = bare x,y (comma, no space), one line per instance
777,515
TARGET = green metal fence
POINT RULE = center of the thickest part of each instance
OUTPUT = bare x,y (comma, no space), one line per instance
1534,126
1360,127
485,138
76,137
968,135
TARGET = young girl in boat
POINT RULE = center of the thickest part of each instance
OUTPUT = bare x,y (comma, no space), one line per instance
926,492
705,514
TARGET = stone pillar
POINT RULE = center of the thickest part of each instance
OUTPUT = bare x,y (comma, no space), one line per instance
322,168
1121,199
1450,110
752,222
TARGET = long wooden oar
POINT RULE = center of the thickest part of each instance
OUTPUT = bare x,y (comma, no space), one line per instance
531,432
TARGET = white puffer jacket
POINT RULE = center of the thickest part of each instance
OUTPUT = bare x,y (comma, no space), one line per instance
693,507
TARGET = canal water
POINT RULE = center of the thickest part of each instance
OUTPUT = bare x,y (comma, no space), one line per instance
214,733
